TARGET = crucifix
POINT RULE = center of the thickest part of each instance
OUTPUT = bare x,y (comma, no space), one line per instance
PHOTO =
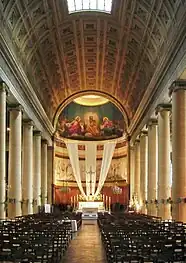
90,173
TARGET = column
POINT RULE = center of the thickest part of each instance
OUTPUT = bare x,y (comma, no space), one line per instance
152,167
164,187
131,174
50,168
2,150
14,179
137,173
143,170
37,170
178,91
27,179
44,172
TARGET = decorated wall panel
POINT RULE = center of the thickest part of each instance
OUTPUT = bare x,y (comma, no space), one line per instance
64,173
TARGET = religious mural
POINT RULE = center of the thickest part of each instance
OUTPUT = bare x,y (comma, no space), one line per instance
90,122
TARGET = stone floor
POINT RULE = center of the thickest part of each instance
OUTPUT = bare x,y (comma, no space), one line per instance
86,246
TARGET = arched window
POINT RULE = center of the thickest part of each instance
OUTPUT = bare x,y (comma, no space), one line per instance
89,5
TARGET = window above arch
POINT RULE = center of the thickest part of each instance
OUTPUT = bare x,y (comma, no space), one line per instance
89,5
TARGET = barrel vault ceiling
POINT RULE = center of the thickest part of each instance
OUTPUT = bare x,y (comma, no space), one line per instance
115,53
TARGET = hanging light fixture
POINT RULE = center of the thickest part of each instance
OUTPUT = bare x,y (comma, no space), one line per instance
116,189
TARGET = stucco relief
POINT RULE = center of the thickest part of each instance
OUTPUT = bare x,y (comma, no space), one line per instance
63,170
117,170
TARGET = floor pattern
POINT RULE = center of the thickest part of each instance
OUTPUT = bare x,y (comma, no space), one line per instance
86,246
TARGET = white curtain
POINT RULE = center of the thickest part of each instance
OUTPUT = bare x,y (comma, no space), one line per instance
74,159
106,161
90,167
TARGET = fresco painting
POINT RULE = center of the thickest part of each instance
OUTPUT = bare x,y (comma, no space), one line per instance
90,122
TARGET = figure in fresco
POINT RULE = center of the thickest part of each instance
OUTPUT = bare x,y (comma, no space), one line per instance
92,128
107,127
76,127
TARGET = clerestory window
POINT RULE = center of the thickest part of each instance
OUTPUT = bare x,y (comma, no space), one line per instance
89,5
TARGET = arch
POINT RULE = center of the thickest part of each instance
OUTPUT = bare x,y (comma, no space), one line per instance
90,92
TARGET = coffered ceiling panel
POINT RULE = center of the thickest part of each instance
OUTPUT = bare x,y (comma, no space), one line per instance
117,53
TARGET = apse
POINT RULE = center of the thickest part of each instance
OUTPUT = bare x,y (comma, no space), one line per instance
90,118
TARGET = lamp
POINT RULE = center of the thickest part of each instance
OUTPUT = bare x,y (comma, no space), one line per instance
116,189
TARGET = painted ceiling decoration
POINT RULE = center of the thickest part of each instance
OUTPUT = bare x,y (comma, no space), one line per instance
119,54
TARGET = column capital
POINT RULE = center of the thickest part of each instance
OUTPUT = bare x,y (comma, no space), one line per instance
28,122
4,87
37,133
163,107
136,141
127,137
152,122
177,85
44,141
50,148
143,133
15,107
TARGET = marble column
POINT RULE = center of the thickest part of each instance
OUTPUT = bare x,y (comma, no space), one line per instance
152,167
50,168
131,174
14,178
27,178
164,187
137,172
143,170
36,170
178,91
44,172
3,90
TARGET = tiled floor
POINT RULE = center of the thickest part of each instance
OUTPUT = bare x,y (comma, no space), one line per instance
87,246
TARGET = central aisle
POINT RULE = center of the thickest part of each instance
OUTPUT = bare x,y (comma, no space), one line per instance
87,246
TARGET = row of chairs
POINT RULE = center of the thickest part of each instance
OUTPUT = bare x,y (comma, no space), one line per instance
138,238
39,238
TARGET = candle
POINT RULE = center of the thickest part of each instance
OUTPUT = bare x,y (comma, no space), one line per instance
106,207
109,203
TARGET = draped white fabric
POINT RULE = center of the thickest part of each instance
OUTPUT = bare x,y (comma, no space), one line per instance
90,167
106,161
74,159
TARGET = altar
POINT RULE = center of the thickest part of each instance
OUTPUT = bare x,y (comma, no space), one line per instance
88,204
90,209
